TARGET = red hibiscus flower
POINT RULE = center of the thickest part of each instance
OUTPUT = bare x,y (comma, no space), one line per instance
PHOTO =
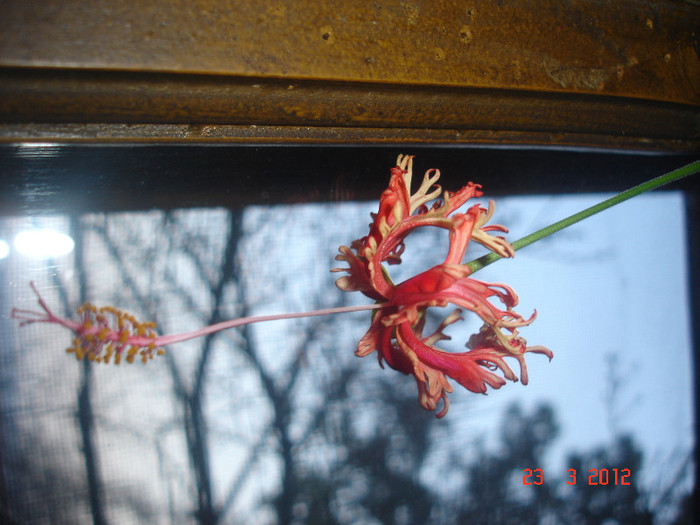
396,332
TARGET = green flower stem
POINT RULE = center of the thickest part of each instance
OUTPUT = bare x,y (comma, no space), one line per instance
691,169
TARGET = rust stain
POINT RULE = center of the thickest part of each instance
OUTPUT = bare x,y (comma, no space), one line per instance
578,77
465,35
411,13
327,34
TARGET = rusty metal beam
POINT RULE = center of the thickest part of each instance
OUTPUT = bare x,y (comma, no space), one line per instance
580,73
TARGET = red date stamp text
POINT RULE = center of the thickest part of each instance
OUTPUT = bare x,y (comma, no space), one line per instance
595,476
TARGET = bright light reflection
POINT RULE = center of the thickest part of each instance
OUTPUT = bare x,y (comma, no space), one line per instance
43,243
4,249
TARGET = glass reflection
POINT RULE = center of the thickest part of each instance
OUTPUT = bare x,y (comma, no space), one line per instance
281,423
43,243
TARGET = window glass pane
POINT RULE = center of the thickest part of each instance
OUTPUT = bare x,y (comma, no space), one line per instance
280,422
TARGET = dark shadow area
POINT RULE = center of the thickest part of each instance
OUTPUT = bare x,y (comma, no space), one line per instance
79,179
